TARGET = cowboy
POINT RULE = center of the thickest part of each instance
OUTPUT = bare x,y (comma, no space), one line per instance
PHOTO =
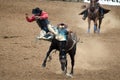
41,18
96,5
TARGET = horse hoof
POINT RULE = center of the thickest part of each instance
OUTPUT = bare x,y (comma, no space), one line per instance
98,31
63,72
43,65
69,75
88,31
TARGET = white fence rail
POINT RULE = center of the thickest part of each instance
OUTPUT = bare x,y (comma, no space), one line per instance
107,2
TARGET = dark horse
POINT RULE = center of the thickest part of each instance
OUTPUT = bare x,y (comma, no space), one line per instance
95,17
94,14
70,49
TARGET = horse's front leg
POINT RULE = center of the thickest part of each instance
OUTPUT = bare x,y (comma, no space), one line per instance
89,21
47,55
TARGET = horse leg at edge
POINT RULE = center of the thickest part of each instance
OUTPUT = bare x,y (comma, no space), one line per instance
72,56
47,55
95,25
89,21
95,28
100,21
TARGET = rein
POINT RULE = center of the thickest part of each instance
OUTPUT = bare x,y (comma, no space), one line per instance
74,42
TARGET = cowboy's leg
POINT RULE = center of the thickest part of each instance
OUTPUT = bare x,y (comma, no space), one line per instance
85,14
42,34
46,29
48,34
101,10
45,26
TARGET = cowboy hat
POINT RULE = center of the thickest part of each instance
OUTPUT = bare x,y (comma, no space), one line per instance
36,11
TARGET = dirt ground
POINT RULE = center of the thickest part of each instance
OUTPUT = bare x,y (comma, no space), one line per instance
21,56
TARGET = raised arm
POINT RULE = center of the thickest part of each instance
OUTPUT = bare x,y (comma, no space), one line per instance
30,19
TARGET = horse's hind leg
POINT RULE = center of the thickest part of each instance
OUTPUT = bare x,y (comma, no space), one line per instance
95,28
100,21
47,55
95,25
72,56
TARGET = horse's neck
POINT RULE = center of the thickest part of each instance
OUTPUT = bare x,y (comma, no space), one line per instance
93,5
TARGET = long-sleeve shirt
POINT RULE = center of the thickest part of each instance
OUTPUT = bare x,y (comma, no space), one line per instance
42,21
43,15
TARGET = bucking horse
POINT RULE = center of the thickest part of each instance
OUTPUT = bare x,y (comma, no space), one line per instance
70,49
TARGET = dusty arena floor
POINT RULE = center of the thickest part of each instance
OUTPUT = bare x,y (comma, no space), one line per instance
21,56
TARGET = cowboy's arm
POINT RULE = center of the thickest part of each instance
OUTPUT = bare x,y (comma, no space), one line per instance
30,19
44,15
